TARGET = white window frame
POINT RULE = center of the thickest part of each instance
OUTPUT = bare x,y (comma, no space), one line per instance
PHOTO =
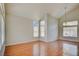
70,24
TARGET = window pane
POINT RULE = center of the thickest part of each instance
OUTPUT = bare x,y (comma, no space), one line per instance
42,28
35,34
42,34
70,23
42,23
35,28
70,31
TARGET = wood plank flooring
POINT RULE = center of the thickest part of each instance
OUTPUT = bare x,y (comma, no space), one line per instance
39,48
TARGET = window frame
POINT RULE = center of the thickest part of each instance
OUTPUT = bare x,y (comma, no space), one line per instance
63,26
33,28
40,29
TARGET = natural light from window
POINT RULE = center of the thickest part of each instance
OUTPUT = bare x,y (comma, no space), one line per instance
70,29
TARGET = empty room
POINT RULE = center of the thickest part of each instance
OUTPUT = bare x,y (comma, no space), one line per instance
39,29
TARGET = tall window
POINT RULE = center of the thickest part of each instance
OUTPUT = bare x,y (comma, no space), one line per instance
70,29
42,28
39,28
35,28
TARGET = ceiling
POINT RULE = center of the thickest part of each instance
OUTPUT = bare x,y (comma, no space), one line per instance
37,10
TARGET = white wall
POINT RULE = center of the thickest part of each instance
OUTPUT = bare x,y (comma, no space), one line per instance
52,28
18,29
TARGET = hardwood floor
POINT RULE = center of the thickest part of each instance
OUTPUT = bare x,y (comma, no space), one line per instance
39,48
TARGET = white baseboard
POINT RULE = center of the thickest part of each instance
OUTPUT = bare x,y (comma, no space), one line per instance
26,42
20,42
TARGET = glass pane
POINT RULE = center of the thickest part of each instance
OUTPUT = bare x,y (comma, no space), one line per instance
70,31
35,28
70,23
35,34
42,34
36,31
42,28
42,23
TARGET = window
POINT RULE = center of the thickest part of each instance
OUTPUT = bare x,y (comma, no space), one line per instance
35,28
70,29
42,28
70,23
39,28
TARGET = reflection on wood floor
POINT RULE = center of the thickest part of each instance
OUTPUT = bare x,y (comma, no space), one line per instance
39,48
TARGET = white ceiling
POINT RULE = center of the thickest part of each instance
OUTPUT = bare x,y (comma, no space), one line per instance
35,11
